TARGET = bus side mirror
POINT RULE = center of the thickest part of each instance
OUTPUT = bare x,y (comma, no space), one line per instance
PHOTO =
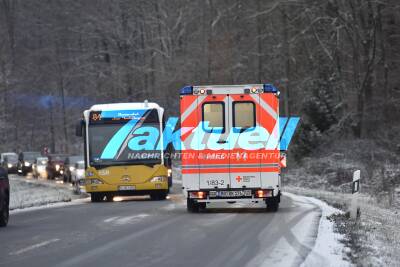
78,129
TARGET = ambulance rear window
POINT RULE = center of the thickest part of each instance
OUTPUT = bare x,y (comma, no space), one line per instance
244,115
213,114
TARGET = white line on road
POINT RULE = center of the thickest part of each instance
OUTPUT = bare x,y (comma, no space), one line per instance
35,246
111,219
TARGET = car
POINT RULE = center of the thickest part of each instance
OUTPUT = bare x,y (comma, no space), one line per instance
70,167
9,161
39,167
78,177
25,161
56,166
4,197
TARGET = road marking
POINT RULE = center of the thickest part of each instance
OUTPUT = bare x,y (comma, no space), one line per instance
35,246
111,219
130,219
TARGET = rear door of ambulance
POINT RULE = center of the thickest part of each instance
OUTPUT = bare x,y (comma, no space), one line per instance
205,142
214,115
245,140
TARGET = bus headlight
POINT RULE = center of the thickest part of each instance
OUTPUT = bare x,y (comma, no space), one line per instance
158,179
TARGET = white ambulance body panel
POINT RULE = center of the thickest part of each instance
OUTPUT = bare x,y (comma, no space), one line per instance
214,122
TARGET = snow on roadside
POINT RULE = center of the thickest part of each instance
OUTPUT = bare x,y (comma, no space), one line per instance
374,240
26,193
328,244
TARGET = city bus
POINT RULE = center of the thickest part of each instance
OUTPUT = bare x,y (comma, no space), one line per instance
123,151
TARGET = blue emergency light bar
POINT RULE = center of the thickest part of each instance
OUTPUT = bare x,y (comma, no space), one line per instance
269,88
187,90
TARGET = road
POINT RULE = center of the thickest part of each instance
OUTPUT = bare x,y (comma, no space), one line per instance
140,232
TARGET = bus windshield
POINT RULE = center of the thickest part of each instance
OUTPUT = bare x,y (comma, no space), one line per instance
122,140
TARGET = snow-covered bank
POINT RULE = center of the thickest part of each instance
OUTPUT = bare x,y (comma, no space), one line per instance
374,239
32,193
328,247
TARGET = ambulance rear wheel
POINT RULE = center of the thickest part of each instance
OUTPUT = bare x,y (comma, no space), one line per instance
192,206
272,204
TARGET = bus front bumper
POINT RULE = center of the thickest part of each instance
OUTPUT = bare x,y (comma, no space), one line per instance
128,189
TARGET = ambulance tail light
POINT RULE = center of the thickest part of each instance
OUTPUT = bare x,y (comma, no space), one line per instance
269,88
187,90
263,193
197,195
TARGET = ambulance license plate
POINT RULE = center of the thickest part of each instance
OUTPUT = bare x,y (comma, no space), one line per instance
237,193
126,187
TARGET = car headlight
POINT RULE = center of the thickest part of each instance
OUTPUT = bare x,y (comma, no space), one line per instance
40,168
27,164
72,168
9,165
95,181
61,172
80,173
158,179
57,167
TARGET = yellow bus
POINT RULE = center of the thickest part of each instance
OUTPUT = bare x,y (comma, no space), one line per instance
123,151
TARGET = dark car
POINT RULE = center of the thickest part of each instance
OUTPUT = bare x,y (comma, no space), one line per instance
25,161
70,167
4,197
56,166
9,161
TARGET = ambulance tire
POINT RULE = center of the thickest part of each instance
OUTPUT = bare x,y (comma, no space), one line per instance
272,204
202,206
96,197
192,206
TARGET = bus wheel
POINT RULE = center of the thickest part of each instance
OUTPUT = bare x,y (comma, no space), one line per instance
109,197
96,197
192,206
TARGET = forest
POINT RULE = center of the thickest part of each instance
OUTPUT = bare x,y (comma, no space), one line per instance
336,63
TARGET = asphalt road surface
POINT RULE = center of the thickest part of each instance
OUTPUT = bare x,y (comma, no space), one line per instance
140,232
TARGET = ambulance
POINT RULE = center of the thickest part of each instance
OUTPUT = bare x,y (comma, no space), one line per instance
230,145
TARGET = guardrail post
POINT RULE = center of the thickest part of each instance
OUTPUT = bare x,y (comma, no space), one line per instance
355,208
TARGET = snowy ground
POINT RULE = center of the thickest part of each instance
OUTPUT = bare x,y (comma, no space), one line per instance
328,247
373,240
27,193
